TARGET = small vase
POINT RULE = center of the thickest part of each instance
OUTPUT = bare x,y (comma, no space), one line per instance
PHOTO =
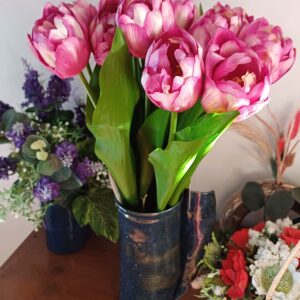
159,251
63,234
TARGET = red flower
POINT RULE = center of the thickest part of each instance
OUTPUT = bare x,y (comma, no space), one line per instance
290,235
259,227
234,274
240,238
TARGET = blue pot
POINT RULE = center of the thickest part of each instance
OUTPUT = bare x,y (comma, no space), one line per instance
157,250
63,233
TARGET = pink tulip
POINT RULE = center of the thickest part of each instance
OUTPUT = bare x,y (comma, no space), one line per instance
143,21
172,77
236,78
219,16
270,45
102,30
60,39
185,12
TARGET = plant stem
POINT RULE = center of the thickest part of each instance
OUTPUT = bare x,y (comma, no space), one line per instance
147,106
268,126
89,69
88,89
173,126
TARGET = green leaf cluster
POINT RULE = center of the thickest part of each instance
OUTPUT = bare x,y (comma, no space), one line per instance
132,136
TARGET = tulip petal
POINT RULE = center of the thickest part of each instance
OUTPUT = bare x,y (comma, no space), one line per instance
72,56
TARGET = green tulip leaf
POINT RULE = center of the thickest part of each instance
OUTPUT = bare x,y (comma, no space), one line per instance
50,166
151,135
110,123
296,194
99,211
190,116
279,205
181,158
253,196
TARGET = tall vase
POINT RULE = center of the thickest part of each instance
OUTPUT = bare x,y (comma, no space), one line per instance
63,233
159,251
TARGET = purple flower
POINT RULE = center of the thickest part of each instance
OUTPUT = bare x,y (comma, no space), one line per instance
67,153
79,115
87,169
3,108
7,167
58,91
34,91
46,190
19,133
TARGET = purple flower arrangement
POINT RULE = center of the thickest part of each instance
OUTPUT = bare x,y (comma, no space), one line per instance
53,156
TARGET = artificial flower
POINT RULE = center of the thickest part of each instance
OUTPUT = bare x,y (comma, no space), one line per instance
236,78
19,133
67,153
46,190
290,235
172,77
240,238
8,167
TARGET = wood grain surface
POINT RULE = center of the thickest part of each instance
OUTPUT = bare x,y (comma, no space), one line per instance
33,273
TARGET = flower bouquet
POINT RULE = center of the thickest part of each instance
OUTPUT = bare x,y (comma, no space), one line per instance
169,80
257,263
277,150
52,152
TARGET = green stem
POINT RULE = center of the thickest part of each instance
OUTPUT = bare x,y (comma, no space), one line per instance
173,126
89,69
147,106
88,89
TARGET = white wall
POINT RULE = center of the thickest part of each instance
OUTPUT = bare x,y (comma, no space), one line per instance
225,169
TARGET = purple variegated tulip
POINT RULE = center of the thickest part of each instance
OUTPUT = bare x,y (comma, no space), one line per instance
236,78
172,77
102,30
219,16
270,45
142,21
60,39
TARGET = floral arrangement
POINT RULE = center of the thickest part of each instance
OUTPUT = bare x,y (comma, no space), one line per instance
52,154
244,265
278,150
168,81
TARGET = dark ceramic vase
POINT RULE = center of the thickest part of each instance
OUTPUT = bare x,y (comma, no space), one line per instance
159,251
63,234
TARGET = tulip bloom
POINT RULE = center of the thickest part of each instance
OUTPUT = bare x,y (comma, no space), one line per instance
142,21
270,45
219,16
172,77
236,78
60,39
185,12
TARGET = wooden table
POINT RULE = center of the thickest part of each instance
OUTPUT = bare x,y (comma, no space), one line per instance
33,273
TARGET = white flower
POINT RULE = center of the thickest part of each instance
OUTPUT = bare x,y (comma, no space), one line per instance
282,223
219,290
271,227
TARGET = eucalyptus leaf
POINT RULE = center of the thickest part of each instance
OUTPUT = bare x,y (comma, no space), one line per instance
11,117
253,196
151,135
27,149
296,194
110,123
62,174
279,205
72,183
99,211
49,167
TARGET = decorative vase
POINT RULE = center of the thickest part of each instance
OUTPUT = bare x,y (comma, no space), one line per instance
159,251
235,211
63,234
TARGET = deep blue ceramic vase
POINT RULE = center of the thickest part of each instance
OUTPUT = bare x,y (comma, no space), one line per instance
63,233
159,251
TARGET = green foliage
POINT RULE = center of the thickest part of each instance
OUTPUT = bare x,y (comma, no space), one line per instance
62,174
28,152
279,205
151,135
49,167
212,254
10,117
296,194
253,196
181,157
97,209
110,123
72,183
